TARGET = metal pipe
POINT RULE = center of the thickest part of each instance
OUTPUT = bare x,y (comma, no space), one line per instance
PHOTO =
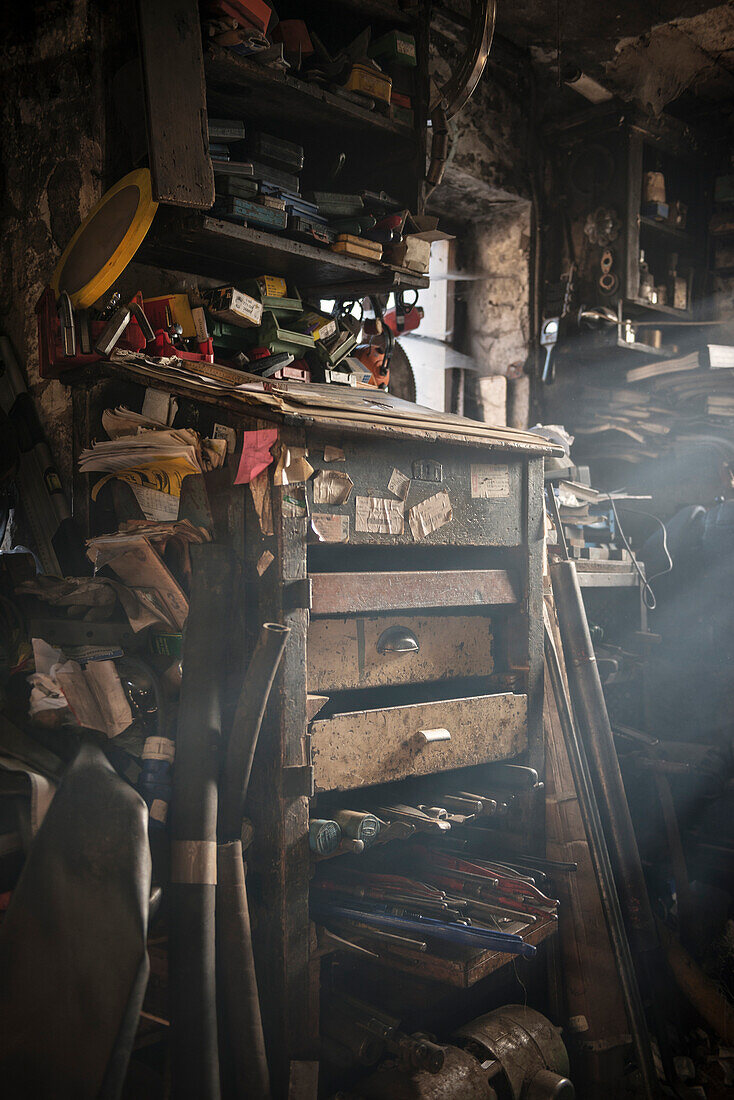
591,711
603,871
194,830
245,1046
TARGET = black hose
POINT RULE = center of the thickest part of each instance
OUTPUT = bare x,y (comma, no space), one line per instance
246,727
194,830
244,1049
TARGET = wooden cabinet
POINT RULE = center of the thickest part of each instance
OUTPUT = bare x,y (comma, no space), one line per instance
470,596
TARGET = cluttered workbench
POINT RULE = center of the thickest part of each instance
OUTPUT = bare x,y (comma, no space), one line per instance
314,627
402,549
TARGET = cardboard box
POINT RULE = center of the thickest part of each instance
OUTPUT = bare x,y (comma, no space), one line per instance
232,305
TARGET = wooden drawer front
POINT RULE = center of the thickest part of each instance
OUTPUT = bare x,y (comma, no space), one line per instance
347,593
344,654
378,746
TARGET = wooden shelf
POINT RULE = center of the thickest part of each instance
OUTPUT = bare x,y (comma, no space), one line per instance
238,86
379,9
468,968
666,230
644,349
203,245
664,311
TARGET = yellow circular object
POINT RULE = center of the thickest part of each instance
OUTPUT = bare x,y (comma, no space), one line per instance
106,241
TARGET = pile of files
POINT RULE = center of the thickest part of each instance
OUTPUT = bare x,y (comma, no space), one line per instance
257,179
434,897
665,405
447,884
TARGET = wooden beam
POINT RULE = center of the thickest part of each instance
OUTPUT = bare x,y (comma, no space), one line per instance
348,593
169,32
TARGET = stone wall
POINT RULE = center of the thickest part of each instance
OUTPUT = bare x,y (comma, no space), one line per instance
486,192
52,167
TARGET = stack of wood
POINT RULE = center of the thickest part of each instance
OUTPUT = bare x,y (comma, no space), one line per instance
664,403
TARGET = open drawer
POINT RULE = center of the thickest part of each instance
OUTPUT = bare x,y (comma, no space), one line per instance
362,748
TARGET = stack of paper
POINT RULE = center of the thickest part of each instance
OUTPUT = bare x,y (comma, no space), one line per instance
152,595
153,462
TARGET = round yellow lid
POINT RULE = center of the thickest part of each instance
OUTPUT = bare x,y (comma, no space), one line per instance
106,241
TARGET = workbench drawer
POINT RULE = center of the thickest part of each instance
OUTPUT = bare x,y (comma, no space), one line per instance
368,651
362,748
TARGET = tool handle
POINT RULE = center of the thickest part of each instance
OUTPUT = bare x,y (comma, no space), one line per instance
549,367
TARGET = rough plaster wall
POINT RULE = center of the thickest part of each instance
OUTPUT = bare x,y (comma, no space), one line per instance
51,165
695,54
498,304
488,184
487,161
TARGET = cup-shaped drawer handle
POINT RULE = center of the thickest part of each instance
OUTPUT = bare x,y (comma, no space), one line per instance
397,639
427,737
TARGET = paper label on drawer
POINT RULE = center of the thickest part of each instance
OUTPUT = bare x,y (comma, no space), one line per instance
430,515
333,454
399,484
292,466
330,527
331,487
489,481
378,515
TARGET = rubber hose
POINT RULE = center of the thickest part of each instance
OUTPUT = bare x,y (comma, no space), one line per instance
195,1057
246,727
245,1045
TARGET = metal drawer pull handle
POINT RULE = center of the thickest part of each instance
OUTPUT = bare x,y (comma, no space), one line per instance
397,639
427,736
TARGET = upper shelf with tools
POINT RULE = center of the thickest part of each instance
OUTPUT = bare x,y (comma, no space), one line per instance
221,249
237,84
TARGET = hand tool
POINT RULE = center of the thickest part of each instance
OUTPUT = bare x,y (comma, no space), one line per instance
390,939
66,315
449,933
516,776
489,805
414,816
357,825
440,813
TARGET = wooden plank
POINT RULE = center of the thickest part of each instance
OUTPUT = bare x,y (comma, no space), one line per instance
175,99
349,593
240,86
362,748
343,654
223,249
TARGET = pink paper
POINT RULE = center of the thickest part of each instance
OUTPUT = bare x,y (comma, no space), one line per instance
255,455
